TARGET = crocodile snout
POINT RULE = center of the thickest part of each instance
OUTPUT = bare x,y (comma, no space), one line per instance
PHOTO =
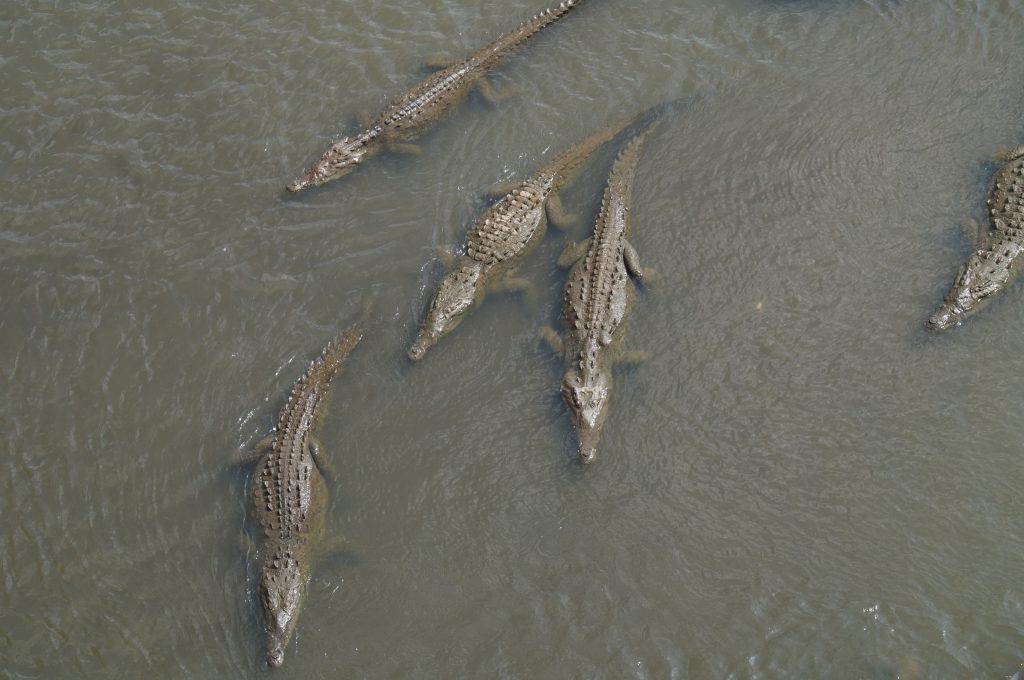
417,351
942,319
275,657
419,348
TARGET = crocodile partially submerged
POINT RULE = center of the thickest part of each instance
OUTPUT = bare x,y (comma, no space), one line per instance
424,104
289,498
598,300
991,268
501,238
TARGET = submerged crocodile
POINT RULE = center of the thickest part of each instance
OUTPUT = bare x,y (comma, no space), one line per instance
289,497
991,268
502,237
424,104
598,299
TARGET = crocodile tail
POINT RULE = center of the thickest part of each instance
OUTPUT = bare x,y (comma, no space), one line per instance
309,395
336,351
620,179
569,161
624,166
497,50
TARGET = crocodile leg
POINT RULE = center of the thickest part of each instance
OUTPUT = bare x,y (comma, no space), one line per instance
975,232
491,95
500,189
439,62
550,337
572,253
447,258
632,261
405,147
557,216
244,457
1009,154
316,451
516,284
336,546
247,544
630,356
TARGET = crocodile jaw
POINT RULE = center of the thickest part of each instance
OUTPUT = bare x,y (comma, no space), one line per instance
946,316
586,393
343,156
976,282
281,593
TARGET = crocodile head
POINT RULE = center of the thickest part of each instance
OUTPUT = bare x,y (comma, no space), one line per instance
281,590
343,156
586,389
455,295
977,280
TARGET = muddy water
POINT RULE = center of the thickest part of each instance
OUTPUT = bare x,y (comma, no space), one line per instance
801,482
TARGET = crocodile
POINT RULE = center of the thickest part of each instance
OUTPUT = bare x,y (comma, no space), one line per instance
289,496
598,300
992,267
502,237
424,104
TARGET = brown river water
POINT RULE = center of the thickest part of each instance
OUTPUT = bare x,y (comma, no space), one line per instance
801,482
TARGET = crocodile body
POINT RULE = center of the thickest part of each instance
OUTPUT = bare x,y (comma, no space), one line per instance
991,268
289,498
424,104
501,238
598,300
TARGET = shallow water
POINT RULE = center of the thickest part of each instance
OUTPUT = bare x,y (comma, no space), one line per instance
801,482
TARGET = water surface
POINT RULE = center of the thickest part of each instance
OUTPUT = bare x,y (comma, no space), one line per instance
801,482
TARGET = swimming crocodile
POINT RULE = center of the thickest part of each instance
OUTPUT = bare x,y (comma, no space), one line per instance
424,104
289,497
598,299
502,237
991,268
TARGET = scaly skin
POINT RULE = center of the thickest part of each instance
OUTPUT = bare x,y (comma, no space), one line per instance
993,267
289,497
598,299
424,104
502,237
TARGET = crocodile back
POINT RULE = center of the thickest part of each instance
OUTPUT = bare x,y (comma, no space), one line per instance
287,489
597,296
425,103
511,225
